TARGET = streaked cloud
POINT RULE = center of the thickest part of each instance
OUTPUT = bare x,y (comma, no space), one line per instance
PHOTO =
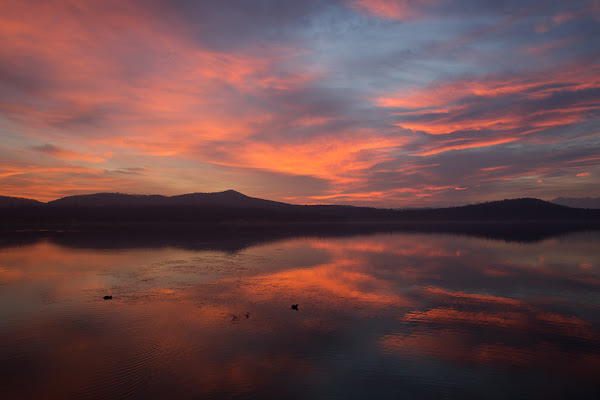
374,102
68,154
395,9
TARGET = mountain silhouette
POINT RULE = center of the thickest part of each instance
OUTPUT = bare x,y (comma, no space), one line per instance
7,201
232,206
502,210
110,199
227,198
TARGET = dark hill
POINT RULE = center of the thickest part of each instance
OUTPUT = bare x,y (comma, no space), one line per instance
229,198
7,201
503,210
110,199
232,206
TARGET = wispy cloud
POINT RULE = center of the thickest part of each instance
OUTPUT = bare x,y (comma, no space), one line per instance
366,101
67,154
395,9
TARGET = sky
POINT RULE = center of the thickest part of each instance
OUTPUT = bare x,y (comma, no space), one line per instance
386,103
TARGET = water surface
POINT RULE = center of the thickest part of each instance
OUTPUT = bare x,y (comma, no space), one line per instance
383,315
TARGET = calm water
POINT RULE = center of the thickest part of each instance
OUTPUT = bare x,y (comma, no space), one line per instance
390,315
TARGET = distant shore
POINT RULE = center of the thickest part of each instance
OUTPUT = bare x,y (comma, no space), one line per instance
252,231
234,214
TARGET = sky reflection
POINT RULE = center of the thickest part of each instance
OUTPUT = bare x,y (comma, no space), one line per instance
411,313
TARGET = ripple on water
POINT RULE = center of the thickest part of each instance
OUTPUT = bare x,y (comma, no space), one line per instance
124,355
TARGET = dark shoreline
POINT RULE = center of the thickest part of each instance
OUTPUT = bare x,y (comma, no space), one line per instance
195,225
236,235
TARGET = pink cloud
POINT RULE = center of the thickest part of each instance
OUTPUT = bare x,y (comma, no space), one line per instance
591,8
68,154
548,47
114,84
443,109
394,9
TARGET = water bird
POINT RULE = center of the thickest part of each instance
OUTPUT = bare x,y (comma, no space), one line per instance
107,297
295,307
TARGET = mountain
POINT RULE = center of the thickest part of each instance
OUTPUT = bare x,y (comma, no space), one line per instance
7,201
578,202
502,210
109,208
229,198
110,199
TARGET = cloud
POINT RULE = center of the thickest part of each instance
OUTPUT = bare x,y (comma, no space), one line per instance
66,154
492,110
311,101
394,9
406,10
140,72
581,10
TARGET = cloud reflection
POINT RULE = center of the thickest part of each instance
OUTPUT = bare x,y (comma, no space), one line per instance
206,321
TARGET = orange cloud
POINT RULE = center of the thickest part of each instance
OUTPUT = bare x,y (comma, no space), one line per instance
583,174
328,157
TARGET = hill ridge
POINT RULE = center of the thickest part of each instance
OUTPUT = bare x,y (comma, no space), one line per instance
234,206
225,198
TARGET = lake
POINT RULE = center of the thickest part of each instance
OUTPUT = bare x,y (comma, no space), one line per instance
380,315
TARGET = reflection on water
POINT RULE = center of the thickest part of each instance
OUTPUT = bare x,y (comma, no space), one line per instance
380,316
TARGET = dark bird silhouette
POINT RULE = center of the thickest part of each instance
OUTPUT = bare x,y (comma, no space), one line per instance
107,297
295,307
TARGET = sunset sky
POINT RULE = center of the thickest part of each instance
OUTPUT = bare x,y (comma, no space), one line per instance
387,103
